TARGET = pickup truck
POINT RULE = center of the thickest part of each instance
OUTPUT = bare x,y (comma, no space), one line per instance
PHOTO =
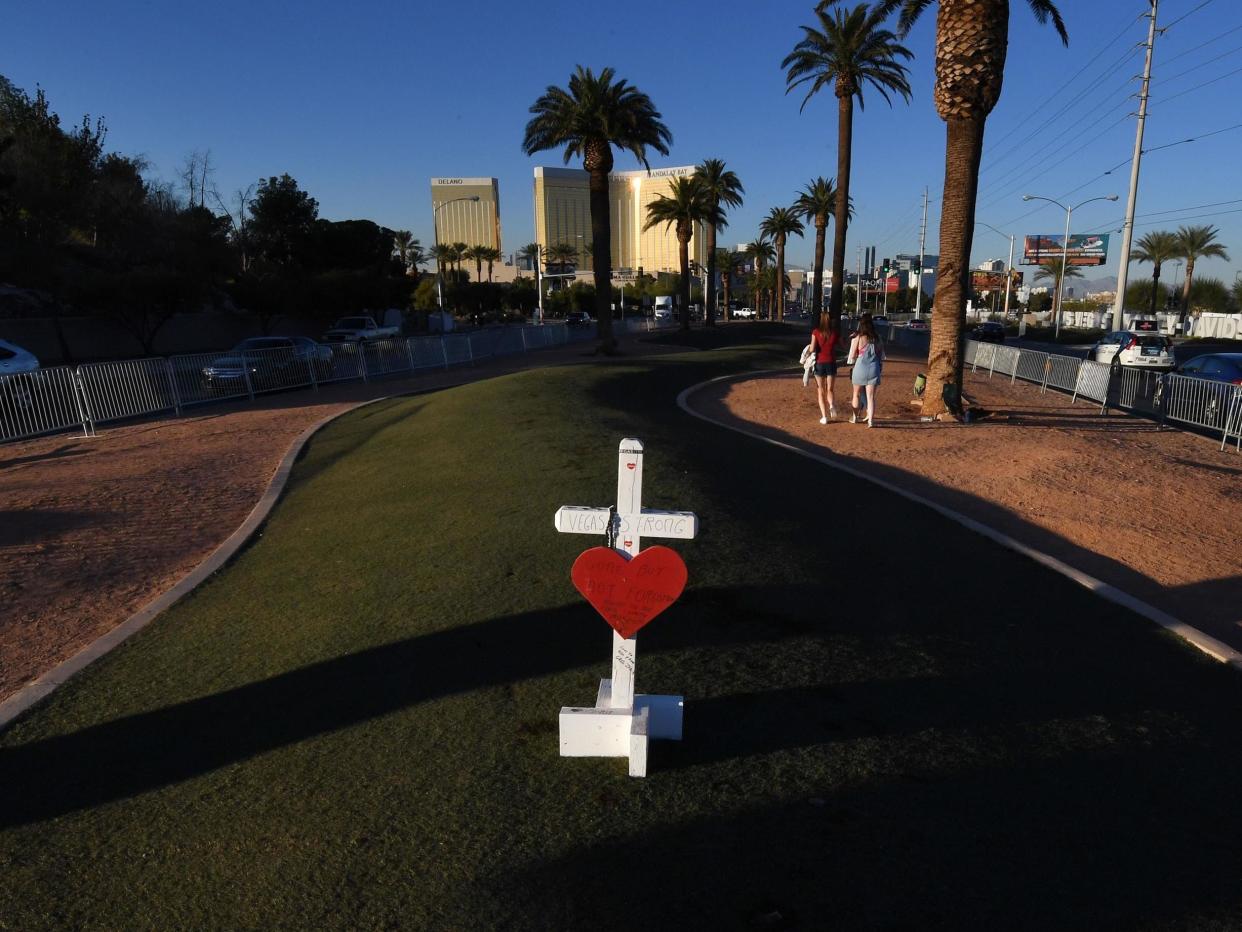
356,329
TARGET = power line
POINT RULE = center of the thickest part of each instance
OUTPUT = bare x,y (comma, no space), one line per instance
1195,48
1169,26
1073,102
1182,142
1165,100
1202,64
1218,213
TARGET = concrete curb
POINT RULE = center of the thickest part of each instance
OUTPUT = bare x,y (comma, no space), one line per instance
39,689
1215,649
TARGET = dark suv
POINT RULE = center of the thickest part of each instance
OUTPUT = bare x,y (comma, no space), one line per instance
990,331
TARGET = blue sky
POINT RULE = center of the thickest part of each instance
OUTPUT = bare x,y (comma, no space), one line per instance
363,103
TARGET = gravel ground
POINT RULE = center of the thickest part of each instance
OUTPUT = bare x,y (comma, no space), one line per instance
1155,512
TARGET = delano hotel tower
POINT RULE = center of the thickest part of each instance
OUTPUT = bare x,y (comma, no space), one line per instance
461,220
563,215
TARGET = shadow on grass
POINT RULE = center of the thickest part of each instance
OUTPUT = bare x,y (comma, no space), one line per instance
114,760
963,844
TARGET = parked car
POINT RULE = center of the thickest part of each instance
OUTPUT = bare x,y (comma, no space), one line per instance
266,353
990,331
578,319
663,313
744,313
357,329
14,359
1134,348
918,325
1217,367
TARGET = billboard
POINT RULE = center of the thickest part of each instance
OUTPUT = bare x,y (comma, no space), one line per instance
993,281
1084,248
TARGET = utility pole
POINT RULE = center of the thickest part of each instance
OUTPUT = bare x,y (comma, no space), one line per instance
1127,230
918,297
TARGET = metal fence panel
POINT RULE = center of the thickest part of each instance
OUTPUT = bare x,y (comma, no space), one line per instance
1201,402
1062,372
482,343
457,349
277,369
508,341
1092,381
1031,366
342,363
204,377
115,390
428,352
384,357
972,348
1005,360
40,402
985,356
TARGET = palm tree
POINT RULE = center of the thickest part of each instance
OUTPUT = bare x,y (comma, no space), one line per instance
721,188
409,251
532,252
778,224
1157,247
562,255
1196,243
1051,268
684,206
847,51
588,119
818,203
476,253
490,255
972,40
724,262
759,251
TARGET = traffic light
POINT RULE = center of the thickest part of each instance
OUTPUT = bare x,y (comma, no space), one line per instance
887,265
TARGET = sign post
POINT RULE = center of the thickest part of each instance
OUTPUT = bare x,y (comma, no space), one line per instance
621,722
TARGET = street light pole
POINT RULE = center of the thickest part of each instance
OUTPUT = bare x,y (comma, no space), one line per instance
1009,267
1069,211
435,231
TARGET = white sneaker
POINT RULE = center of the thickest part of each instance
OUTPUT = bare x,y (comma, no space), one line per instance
853,417
823,420
869,423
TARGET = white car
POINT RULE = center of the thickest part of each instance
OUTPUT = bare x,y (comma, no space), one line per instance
1136,348
744,313
14,359
663,313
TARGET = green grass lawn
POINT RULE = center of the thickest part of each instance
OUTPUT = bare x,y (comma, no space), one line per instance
889,722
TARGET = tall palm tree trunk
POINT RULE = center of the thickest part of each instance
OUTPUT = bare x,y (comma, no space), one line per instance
963,153
724,285
780,278
683,286
1155,286
601,257
817,289
709,293
845,142
478,269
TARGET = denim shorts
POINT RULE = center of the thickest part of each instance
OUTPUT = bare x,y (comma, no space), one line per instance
825,368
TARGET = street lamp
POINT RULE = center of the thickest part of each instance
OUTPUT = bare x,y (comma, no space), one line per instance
435,227
1065,242
1009,267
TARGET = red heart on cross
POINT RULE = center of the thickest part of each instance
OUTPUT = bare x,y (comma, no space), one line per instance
630,465
629,593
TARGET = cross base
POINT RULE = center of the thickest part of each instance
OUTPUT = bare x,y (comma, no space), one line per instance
603,731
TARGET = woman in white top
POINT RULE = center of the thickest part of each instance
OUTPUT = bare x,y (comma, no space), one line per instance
867,358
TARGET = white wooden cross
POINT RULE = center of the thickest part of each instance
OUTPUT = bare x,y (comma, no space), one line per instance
620,723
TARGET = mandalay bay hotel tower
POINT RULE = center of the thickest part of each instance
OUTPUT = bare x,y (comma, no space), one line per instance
563,215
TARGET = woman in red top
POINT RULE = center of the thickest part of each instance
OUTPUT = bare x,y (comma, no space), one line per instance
824,340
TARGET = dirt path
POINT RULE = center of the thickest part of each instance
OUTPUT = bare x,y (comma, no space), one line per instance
1155,512
93,529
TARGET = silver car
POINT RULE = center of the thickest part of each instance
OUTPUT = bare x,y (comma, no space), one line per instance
1141,349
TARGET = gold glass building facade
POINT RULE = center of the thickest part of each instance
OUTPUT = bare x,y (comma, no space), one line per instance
458,219
563,215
